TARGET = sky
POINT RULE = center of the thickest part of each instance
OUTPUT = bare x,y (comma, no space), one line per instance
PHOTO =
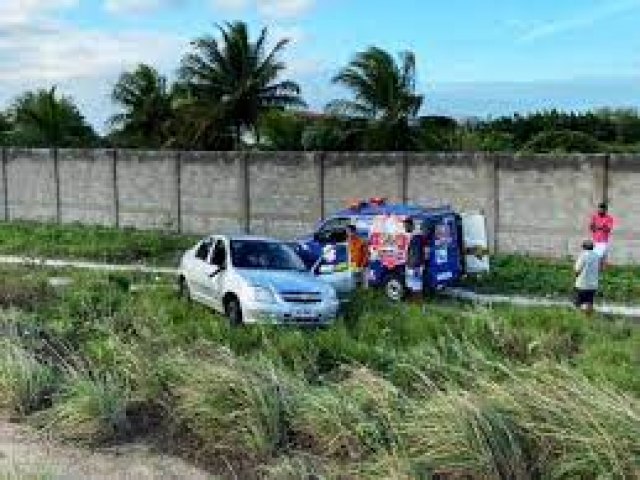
475,58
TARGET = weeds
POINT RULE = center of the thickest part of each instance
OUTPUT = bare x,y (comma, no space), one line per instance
390,391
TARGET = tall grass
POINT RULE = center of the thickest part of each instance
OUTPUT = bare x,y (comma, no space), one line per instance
391,391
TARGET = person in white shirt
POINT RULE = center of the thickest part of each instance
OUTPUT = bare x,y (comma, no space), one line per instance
587,270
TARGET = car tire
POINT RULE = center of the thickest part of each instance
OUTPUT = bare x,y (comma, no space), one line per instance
183,289
233,311
394,288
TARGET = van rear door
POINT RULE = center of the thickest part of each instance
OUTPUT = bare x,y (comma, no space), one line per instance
444,263
475,243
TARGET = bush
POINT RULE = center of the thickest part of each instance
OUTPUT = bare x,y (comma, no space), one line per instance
25,382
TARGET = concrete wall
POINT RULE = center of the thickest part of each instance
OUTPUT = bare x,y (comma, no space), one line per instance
211,192
623,189
87,192
538,204
545,202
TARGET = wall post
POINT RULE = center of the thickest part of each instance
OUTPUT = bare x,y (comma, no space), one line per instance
492,168
5,184
404,181
56,180
320,172
244,194
178,185
116,193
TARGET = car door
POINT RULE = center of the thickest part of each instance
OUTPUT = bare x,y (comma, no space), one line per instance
196,269
333,268
219,263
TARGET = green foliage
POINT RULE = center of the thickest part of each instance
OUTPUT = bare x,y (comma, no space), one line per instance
235,80
562,141
42,119
147,110
282,131
92,242
533,276
384,92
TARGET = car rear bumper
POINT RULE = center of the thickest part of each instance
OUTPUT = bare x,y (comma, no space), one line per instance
282,313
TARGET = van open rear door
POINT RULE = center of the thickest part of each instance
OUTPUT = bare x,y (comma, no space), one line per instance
475,243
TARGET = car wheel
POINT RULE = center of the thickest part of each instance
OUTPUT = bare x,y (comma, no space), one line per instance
394,288
183,289
233,311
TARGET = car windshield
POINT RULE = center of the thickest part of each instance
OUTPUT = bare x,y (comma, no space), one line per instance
264,255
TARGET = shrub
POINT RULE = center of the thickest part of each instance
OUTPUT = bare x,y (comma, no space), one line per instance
25,382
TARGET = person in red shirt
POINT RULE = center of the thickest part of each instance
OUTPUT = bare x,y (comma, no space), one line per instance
601,226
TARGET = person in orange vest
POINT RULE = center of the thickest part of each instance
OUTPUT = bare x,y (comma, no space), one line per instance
358,255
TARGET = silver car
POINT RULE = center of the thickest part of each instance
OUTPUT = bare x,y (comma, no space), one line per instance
255,280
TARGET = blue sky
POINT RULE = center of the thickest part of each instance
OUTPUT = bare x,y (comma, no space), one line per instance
475,58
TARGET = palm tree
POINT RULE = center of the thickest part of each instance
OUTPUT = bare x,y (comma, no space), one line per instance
147,107
42,119
236,79
384,93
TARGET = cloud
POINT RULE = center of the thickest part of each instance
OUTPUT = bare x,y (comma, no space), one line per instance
231,5
284,8
38,51
14,12
140,6
581,20
273,9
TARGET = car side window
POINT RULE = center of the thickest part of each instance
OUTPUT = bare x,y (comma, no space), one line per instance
334,230
219,256
202,253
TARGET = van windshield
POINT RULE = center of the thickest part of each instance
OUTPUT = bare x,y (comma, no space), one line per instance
264,255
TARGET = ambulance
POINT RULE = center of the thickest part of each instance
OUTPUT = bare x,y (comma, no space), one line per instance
455,245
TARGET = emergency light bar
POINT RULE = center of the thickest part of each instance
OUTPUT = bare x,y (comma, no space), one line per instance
358,204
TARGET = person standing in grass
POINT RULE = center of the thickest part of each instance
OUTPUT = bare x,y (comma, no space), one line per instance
358,256
415,259
587,270
601,227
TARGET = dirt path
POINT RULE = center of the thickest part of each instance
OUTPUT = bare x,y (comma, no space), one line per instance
629,311
106,267
23,455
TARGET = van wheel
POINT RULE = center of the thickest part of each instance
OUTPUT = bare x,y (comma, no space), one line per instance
233,311
394,288
183,289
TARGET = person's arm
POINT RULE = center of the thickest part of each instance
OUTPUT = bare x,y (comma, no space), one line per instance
579,266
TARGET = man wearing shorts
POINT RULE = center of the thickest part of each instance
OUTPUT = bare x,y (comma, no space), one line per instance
587,270
601,226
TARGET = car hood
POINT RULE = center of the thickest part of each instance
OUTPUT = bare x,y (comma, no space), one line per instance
283,281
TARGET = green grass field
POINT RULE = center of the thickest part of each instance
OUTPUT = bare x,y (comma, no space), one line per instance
441,391
103,244
511,274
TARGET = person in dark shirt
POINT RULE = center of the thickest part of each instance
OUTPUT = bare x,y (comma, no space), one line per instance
415,258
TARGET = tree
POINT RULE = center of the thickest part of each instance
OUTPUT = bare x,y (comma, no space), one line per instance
282,130
5,128
562,141
236,80
41,119
384,93
147,107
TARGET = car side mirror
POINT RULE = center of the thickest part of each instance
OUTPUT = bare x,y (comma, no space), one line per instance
215,270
